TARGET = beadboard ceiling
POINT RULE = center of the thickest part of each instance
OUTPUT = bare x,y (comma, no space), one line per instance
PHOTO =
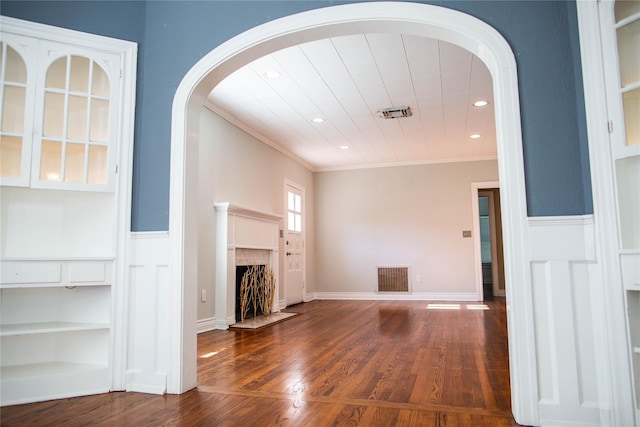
346,81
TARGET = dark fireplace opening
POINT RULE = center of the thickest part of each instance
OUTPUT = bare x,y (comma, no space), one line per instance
240,270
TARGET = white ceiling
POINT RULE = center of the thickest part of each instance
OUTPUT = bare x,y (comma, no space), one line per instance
347,80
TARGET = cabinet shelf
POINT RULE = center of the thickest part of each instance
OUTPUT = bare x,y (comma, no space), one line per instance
16,372
35,382
48,327
51,285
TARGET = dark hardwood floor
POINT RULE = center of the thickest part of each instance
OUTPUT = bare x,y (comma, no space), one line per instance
356,363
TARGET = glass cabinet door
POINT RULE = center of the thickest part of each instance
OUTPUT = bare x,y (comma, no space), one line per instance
624,84
76,147
16,110
58,115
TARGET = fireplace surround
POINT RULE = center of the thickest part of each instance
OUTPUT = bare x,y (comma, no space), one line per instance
243,237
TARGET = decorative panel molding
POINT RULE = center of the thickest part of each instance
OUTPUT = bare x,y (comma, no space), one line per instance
148,317
566,312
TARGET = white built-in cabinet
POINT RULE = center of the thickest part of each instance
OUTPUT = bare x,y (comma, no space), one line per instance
66,121
621,49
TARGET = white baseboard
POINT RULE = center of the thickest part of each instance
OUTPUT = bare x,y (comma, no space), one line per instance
416,296
145,383
205,325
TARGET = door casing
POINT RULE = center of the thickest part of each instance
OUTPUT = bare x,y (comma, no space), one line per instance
288,237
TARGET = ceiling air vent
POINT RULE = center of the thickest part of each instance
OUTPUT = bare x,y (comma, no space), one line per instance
395,112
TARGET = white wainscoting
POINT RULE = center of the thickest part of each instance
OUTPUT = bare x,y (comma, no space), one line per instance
567,316
148,319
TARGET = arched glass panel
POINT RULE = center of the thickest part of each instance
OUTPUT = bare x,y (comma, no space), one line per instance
13,78
76,117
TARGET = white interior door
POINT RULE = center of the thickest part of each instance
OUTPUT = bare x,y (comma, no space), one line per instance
294,245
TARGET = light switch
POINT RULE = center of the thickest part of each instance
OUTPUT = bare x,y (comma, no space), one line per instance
466,233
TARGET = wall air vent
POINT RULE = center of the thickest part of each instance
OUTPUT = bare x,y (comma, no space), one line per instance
395,112
393,279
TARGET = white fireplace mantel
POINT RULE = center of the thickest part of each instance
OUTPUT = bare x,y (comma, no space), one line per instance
239,228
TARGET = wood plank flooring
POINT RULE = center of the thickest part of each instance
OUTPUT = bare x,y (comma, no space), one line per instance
339,363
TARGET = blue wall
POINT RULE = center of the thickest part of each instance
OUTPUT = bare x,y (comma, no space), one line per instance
174,35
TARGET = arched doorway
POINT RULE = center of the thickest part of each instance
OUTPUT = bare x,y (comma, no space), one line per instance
408,18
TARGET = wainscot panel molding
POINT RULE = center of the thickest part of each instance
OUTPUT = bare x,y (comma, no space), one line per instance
417,296
567,320
148,308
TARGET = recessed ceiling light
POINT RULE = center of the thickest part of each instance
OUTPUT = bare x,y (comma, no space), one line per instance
344,147
317,120
474,136
480,103
272,74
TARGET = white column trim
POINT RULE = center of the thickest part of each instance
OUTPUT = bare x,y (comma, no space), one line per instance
614,374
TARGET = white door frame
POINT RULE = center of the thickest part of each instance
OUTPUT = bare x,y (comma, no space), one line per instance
288,183
410,18
475,213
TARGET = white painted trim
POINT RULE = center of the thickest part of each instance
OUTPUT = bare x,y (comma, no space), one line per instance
147,309
475,214
567,231
378,296
206,325
301,189
562,221
149,234
614,370
409,163
259,136
568,316
410,18
64,35
145,388
140,383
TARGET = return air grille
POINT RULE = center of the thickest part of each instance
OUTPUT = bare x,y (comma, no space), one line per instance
395,112
393,279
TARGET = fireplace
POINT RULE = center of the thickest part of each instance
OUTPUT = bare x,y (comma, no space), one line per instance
243,237
240,271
